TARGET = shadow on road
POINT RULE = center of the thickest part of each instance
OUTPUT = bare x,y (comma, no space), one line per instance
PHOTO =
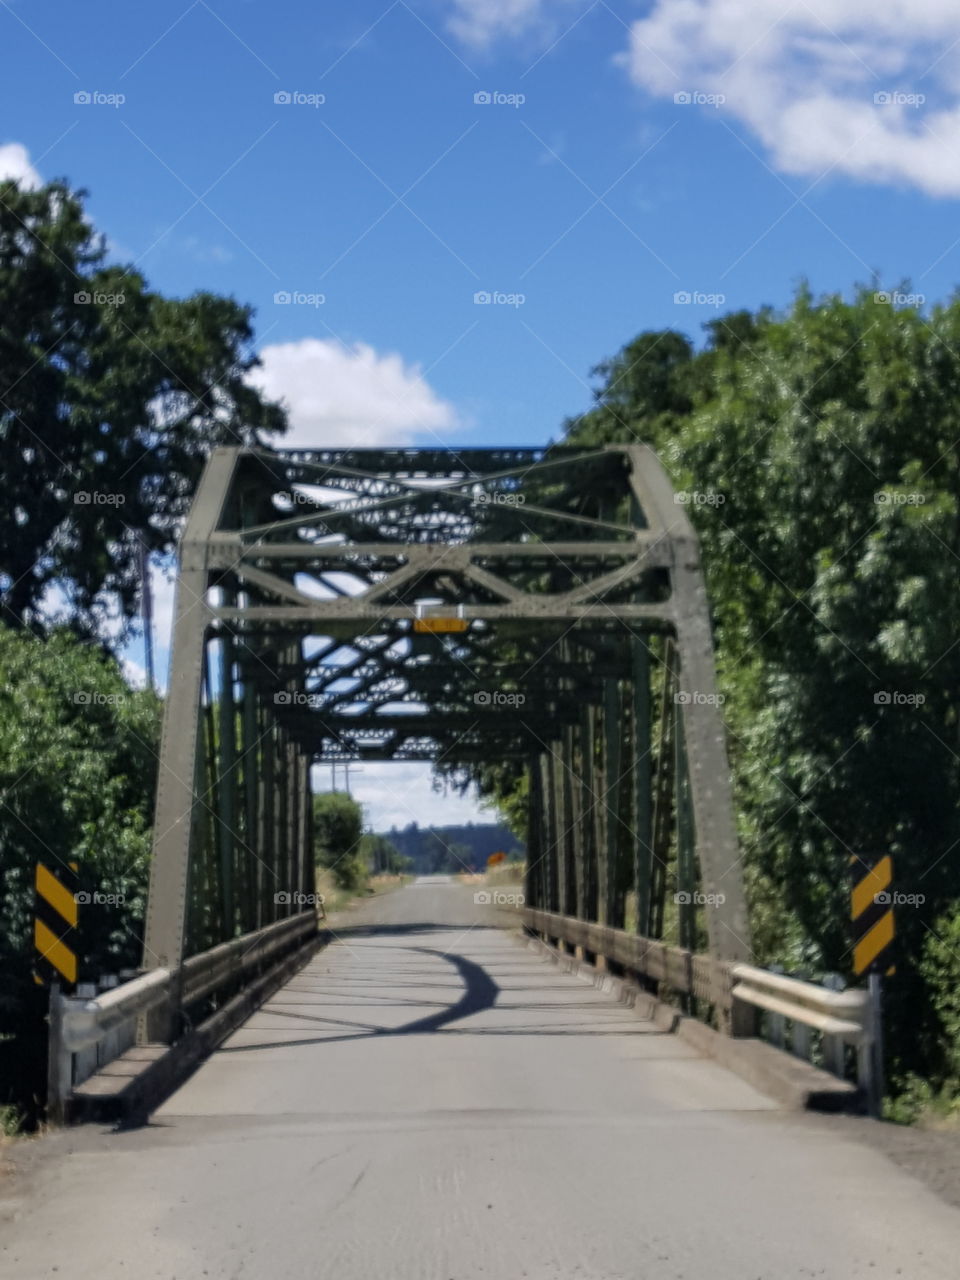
400,930
479,993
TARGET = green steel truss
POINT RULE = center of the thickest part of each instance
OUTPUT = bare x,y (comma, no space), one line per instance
584,659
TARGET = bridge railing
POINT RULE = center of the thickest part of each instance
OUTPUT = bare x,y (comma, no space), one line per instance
88,1032
812,1021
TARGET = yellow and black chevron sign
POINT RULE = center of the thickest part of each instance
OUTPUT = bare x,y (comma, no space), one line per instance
55,924
871,911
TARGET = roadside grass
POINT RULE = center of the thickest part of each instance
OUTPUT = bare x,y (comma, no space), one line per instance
337,899
507,873
919,1105
11,1122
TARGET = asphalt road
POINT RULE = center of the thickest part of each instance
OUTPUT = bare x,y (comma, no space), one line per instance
429,1100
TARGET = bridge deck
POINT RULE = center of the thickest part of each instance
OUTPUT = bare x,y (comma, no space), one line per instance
430,1101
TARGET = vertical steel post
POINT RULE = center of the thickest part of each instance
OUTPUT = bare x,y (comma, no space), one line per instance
642,782
225,757
686,869
535,841
251,797
549,831
663,795
877,1083
588,811
708,771
180,746
59,1059
292,860
569,888
271,887
613,802
577,821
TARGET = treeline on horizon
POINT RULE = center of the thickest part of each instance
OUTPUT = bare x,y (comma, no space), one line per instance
453,848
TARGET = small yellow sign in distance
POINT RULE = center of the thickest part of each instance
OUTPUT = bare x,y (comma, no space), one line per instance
439,624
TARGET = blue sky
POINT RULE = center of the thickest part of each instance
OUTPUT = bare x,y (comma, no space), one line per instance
822,141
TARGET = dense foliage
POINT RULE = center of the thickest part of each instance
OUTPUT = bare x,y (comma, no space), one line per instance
337,835
112,398
381,857
77,775
818,454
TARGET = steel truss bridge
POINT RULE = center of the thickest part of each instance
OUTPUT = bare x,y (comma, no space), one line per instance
533,617
537,612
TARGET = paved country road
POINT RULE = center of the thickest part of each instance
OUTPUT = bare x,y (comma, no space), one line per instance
429,1100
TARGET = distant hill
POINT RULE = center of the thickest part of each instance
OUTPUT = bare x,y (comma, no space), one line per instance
434,850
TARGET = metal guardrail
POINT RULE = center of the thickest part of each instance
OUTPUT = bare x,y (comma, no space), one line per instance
89,1032
85,1023
679,970
844,1014
748,1001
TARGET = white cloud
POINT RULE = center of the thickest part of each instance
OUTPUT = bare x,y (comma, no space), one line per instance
338,395
479,22
134,674
803,79
396,794
15,163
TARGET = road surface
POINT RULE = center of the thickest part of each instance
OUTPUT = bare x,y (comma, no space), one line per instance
429,1100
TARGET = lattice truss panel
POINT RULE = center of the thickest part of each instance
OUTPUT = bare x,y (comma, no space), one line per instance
541,610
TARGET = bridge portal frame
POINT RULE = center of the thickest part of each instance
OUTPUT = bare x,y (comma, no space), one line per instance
597,827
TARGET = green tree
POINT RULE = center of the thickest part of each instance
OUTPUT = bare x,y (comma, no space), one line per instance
380,856
113,396
826,441
337,833
77,774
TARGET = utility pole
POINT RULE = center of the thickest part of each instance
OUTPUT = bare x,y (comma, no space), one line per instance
146,611
347,766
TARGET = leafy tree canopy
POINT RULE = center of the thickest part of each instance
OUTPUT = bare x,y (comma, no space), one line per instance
112,397
78,752
824,445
